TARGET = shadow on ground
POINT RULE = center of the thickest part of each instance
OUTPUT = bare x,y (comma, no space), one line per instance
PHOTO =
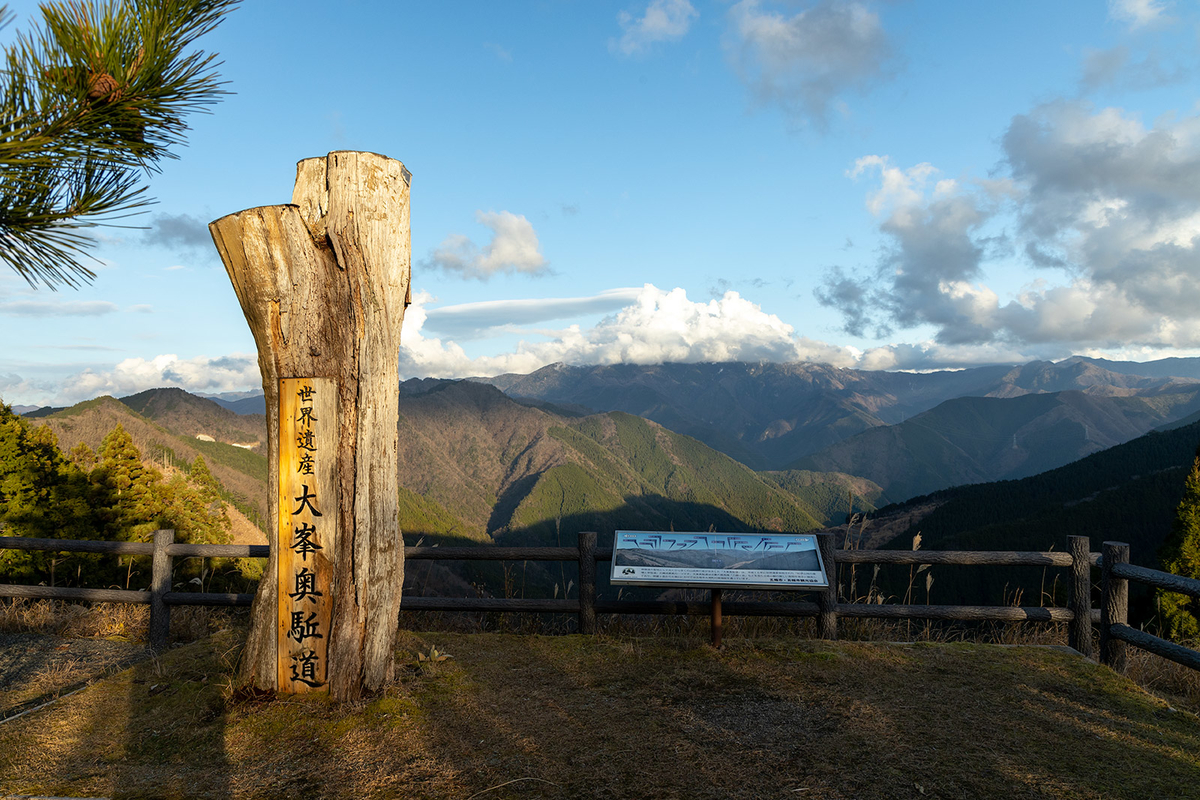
599,717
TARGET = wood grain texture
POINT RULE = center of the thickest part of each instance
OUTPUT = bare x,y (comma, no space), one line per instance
587,581
160,583
1080,600
998,558
308,529
1114,606
323,283
1158,578
828,597
1160,647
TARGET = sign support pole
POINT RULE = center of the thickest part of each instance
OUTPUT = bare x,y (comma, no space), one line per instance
716,621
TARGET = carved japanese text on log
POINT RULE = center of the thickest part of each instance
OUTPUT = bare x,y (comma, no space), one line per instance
323,283
308,499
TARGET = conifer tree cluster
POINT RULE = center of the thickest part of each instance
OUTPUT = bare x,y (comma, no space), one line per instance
91,101
110,496
1180,554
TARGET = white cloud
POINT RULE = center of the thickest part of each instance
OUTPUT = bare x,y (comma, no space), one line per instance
929,274
200,374
1109,205
1138,13
514,248
807,61
658,326
46,308
662,21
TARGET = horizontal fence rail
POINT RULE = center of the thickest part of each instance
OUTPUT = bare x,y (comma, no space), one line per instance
1115,631
159,596
1116,572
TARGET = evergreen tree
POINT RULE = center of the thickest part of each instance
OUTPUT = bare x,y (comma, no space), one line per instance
83,456
195,512
1180,554
42,495
136,505
212,508
90,101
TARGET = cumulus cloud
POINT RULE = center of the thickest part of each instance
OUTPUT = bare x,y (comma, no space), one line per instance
658,326
1119,204
930,270
1108,208
201,374
805,62
1137,13
514,248
662,21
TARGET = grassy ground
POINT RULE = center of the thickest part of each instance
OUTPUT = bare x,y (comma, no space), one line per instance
618,717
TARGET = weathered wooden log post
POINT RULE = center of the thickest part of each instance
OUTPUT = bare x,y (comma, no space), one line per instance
160,584
323,283
1080,600
827,623
587,582
1114,609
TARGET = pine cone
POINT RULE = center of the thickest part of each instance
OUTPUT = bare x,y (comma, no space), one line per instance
101,85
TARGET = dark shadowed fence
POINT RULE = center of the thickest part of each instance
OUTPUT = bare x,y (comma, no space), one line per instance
1116,572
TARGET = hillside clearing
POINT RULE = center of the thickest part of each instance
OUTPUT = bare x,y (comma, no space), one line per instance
569,716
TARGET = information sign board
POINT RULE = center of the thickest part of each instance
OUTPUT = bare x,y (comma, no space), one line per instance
718,560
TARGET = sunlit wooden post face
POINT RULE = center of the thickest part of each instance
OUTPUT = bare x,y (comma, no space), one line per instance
308,518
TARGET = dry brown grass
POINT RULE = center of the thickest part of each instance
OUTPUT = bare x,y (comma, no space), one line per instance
1175,683
614,717
120,621
74,620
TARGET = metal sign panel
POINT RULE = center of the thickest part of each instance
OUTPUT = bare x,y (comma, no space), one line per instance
718,560
308,518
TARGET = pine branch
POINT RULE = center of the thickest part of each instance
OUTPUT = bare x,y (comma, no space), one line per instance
90,103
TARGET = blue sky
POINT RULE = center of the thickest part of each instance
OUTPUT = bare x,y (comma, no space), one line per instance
885,185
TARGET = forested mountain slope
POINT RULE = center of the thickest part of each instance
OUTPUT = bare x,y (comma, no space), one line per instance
1127,493
242,472
474,463
769,415
982,439
186,414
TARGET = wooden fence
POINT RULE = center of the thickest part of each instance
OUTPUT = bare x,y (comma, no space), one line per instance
1116,572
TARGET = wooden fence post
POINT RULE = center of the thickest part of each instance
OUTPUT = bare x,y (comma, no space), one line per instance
1080,601
827,599
1114,607
160,584
587,582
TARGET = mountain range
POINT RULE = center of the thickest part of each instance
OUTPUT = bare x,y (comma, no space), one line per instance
908,433
1044,450
911,433
476,464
